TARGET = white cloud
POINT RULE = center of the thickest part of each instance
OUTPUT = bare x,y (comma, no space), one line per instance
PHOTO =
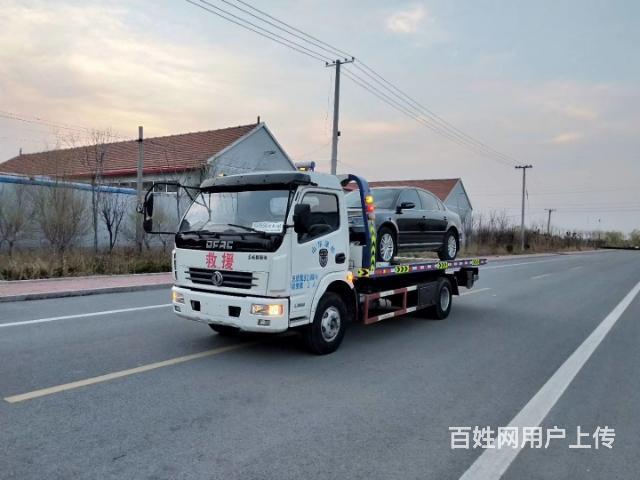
85,64
406,21
566,137
580,112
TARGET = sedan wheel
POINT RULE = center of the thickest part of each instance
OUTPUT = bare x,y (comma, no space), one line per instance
386,245
452,246
449,248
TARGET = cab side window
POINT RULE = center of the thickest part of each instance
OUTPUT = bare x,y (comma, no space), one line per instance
324,215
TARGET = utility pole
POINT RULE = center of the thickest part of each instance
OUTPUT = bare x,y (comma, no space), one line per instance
139,188
549,219
524,183
336,110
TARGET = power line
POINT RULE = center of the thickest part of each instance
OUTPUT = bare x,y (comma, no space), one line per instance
401,100
416,115
411,114
436,118
65,126
331,51
441,124
268,34
40,121
341,52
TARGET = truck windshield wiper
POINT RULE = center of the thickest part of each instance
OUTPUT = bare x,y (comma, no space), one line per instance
198,232
191,232
249,229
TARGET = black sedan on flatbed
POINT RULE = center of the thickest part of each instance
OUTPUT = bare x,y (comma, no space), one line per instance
408,218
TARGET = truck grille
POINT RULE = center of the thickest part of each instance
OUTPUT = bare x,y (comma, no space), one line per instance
203,276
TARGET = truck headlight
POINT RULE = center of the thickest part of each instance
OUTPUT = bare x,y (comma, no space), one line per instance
267,310
177,297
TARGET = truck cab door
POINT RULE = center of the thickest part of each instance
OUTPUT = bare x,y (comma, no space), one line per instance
322,250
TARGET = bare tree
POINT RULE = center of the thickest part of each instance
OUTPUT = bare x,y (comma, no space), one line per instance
60,213
14,215
113,206
91,150
163,221
94,157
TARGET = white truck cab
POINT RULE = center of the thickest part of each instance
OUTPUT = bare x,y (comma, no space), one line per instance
265,252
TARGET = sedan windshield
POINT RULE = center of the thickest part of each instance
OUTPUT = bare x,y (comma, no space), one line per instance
258,210
384,198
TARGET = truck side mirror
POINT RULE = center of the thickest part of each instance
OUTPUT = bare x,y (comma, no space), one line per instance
405,206
147,211
301,215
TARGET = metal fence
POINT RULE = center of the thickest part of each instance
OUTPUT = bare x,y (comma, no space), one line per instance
22,196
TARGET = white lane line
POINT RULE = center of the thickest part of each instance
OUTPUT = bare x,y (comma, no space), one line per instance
541,276
492,463
517,264
125,373
475,290
81,315
576,268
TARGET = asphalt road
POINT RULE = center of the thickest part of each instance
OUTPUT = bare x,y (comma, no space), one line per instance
378,408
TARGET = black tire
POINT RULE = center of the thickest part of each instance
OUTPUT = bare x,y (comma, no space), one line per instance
444,253
324,335
223,330
386,231
441,309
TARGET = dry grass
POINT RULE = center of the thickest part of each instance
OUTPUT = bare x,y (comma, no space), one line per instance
32,264
495,234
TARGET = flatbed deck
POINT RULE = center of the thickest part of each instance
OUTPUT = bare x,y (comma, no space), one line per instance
416,267
410,287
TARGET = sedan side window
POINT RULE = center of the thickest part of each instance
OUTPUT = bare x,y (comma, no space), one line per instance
409,195
429,202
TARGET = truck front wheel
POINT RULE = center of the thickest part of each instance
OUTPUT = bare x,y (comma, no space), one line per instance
325,334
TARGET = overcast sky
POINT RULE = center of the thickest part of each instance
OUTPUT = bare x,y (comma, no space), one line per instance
551,83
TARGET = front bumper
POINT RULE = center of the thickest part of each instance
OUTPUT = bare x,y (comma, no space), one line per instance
230,310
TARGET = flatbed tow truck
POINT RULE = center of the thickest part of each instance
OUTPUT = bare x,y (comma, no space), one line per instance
269,252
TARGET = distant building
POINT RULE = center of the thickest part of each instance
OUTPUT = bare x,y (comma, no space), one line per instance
188,158
450,190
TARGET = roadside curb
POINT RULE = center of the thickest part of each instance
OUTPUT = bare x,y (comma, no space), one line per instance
81,293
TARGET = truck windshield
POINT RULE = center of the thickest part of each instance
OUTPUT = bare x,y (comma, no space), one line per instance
382,198
259,210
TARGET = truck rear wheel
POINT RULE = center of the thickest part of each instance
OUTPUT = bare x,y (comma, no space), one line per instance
325,333
443,299
223,330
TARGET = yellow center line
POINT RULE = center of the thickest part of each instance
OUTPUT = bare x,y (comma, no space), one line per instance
125,373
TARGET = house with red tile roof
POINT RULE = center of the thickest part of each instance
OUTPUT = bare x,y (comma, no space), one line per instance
188,157
450,190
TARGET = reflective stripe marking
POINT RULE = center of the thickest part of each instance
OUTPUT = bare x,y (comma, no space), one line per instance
397,313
